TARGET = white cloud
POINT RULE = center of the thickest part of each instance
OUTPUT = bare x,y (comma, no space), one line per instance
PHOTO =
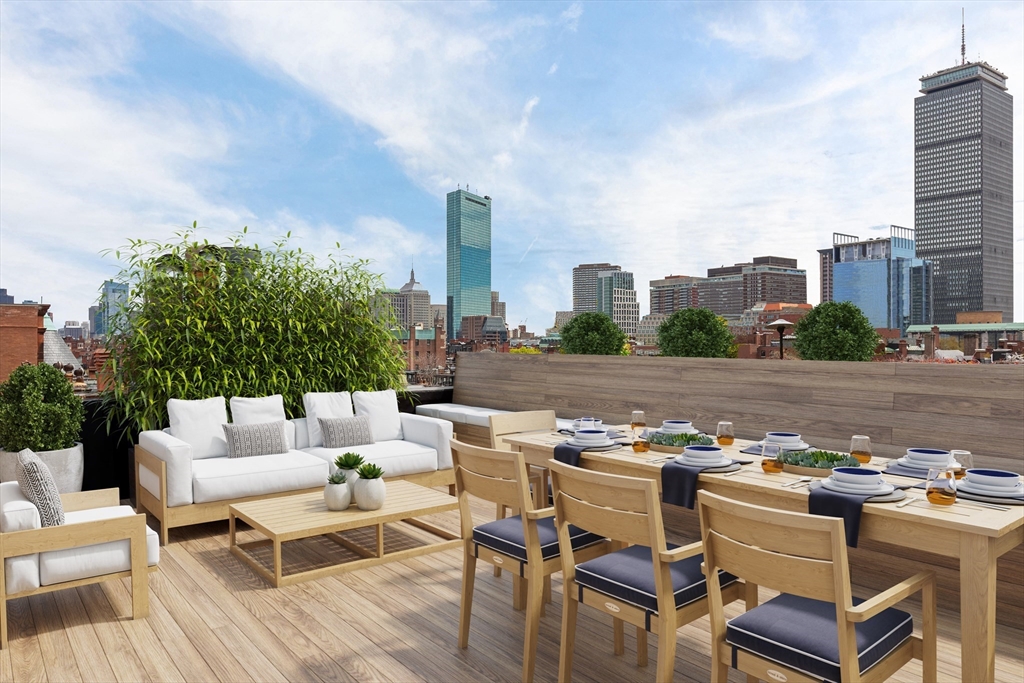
553,68
767,29
571,16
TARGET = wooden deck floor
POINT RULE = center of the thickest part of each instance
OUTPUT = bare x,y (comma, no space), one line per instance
212,619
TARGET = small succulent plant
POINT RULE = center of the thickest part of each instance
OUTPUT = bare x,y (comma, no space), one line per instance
348,461
370,471
822,460
663,439
337,478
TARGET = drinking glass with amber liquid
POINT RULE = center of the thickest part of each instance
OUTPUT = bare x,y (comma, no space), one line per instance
941,486
770,462
725,434
637,423
965,461
860,448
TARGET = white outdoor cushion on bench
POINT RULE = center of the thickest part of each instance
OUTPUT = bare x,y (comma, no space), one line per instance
225,478
458,413
397,458
71,564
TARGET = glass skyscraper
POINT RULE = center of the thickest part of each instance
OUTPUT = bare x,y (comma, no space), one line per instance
963,188
884,278
469,258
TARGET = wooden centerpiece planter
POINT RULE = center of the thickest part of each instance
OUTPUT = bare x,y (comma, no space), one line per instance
677,443
815,463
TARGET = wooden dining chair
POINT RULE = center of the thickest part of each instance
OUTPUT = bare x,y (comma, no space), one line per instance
504,424
651,584
527,545
815,630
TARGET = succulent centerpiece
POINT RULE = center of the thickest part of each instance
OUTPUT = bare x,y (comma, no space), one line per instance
348,464
337,493
815,463
369,488
675,443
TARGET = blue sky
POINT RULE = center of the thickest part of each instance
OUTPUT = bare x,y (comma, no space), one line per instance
666,137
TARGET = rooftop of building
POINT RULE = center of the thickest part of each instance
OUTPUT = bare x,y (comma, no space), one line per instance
963,72
961,328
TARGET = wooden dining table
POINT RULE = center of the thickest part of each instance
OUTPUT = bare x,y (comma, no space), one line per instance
975,535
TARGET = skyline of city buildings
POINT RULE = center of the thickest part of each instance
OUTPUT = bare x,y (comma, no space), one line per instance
730,290
411,303
584,285
616,298
963,188
112,295
469,258
884,278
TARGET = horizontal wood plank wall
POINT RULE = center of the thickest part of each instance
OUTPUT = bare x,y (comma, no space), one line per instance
979,408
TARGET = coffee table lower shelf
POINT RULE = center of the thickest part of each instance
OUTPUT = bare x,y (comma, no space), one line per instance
293,518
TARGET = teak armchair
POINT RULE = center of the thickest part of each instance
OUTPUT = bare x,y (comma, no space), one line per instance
525,545
815,630
651,584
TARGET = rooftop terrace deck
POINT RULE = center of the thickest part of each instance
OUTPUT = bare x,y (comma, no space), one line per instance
212,619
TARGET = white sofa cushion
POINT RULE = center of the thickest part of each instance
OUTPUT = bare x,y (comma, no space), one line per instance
226,478
247,411
17,513
70,564
324,404
301,433
430,431
382,409
178,457
21,573
397,458
434,409
481,417
198,423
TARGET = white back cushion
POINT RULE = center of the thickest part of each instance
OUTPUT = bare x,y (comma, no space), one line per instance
247,411
18,512
324,404
198,423
382,409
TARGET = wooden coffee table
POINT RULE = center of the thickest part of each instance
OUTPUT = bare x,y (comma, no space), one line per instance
291,518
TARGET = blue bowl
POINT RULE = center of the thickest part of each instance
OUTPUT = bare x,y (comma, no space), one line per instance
703,452
790,438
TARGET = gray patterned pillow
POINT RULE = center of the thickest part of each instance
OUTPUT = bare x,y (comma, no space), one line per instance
342,432
38,485
259,438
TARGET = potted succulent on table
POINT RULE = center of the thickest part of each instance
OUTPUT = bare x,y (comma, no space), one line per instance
39,411
337,494
347,464
369,487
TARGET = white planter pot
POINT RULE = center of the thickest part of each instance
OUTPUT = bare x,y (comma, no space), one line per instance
370,493
350,479
337,496
66,465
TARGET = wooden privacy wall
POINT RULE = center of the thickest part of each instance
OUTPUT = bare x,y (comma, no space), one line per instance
979,408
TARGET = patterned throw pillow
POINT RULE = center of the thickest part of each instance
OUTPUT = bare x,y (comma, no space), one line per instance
342,432
38,486
260,438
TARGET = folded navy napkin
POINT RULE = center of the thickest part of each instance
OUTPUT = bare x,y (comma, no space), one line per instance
902,471
569,454
679,482
753,449
829,503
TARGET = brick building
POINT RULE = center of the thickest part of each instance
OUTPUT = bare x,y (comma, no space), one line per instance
22,327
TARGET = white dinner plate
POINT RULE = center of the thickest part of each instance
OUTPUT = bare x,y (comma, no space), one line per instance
882,490
802,446
683,460
924,467
691,430
997,491
897,494
853,487
590,444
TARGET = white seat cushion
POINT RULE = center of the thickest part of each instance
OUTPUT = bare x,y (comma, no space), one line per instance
481,417
17,513
382,409
70,564
397,458
198,423
459,413
226,478
324,404
434,409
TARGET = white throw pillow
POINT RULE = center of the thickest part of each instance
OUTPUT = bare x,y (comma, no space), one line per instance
327,405
382,409
247,411
198,423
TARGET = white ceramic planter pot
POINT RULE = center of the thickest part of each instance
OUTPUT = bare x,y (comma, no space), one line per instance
337,496
370,493
350,479
66,465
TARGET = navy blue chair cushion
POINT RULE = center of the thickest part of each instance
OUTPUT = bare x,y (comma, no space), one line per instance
506,536
801,633
628,575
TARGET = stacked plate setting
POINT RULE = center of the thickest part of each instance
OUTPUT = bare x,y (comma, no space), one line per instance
677,427
926,459
992,483
591,438
790,441
858,480
703,456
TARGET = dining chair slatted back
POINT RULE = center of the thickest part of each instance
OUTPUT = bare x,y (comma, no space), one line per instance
495,476
804,557
646,582
504,424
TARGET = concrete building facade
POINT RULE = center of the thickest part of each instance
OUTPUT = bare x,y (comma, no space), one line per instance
616,297
584,285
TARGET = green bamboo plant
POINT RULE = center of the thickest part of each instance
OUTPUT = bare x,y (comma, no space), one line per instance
204,320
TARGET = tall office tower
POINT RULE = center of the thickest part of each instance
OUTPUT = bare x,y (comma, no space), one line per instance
827,262
497,306
674,293
584,285
884,278
93,313
469,258
112,296
411,303
730,290
963,188
616,297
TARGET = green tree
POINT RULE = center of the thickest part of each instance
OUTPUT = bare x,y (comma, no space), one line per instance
694,333
39,410
204,320
592,334
835,330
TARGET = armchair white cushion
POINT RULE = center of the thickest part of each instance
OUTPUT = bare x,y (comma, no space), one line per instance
71,564
177,454
17,513
198,423
246,411
382,409
430,431
324,404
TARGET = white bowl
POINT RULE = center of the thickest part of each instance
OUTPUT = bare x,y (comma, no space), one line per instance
857,476
591,435
713,453
935,456
576,423
996,478
676,426
782,437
